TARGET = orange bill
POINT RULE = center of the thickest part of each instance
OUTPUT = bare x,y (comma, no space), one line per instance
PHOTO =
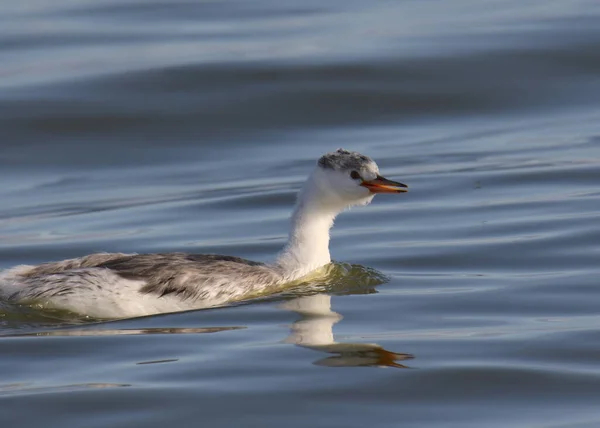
383,185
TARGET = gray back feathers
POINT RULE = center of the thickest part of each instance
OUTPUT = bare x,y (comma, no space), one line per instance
196,276
93,260
187,276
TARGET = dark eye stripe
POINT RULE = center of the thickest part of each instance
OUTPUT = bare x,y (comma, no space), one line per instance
354,175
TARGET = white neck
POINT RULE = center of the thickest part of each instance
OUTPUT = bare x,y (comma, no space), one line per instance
307,248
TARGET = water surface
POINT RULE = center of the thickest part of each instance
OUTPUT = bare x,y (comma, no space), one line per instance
158,126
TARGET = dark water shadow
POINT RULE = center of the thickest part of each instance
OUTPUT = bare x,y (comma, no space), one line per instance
27,388
124,331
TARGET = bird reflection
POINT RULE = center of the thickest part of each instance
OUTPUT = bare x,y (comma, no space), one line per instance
315,331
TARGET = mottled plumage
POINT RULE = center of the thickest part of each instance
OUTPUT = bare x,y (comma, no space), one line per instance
192,280
189,276
195,276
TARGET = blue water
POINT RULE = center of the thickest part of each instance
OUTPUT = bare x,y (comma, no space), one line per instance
136,126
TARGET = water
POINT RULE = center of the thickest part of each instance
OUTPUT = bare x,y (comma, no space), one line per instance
188,126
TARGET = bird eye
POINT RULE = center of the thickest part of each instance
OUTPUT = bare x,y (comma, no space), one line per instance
354,175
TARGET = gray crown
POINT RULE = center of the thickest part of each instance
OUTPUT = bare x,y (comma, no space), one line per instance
344,160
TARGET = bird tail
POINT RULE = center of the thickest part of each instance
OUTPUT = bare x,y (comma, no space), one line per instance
11,280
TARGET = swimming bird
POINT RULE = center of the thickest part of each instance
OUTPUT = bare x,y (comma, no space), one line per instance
121,285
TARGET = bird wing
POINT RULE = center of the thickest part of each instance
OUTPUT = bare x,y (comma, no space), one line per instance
194,276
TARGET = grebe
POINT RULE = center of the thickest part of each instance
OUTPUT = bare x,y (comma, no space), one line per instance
126,285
